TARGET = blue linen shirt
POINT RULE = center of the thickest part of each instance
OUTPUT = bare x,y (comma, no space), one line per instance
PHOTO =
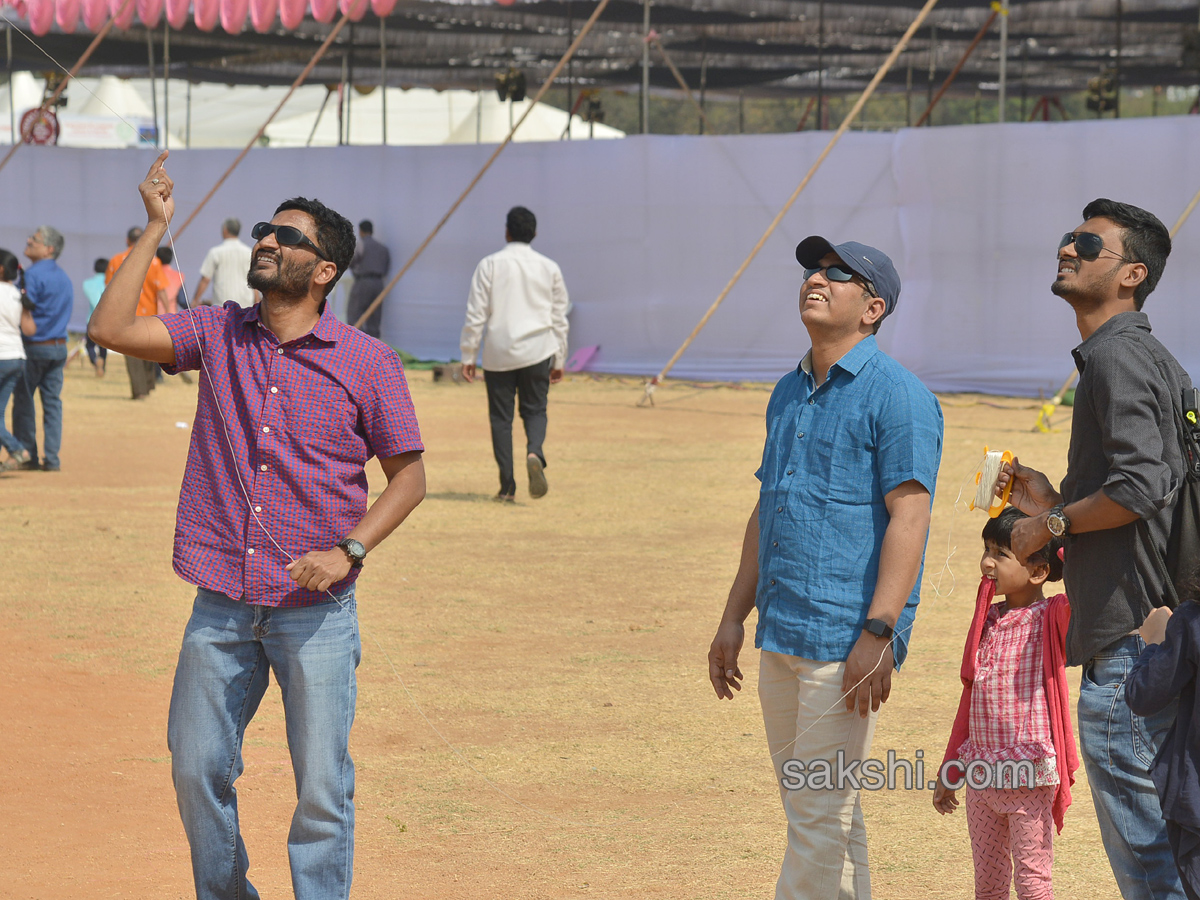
53,299
832,453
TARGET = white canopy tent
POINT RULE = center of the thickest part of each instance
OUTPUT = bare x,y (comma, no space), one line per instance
110,112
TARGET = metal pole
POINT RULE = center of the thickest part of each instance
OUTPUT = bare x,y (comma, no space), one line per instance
932,70
1024,83
570,72
703,80
908,95
166,84
342,102
1117,74
1003,59
645,66
12,100
349,80
153,89
479,112
187,139
741,112
821,65
383,74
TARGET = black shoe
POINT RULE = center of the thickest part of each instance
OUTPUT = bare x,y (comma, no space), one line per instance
537,477
30,465
46,467
504,498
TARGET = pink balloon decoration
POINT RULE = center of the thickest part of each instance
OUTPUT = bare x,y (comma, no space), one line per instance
206,14
291,13
233,15
262,14
149,11
383,8
323,10
95,12
122,11
41,15
177,13
67,14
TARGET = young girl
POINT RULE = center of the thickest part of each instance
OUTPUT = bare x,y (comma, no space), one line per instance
15,320
1165,672
1012,744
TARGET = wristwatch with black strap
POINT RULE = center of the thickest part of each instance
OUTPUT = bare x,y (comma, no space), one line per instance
354,550
879,628
1057,522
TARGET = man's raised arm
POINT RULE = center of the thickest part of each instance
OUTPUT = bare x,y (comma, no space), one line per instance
115,323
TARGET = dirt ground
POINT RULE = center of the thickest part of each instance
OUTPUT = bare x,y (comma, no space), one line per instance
558,645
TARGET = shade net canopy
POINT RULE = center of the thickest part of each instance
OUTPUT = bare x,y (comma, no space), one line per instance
756,46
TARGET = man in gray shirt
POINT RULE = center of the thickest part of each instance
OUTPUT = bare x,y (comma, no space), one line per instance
1124,469
371,262
225,268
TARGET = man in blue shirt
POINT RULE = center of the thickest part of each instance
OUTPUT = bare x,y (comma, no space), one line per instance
832,559
49,290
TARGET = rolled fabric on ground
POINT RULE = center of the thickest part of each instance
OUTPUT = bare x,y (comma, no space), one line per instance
41,16
323,10
291,13
95,12
67,14
122,13
149,12
383,8
233,15
206,14
262,14
355,9
177,12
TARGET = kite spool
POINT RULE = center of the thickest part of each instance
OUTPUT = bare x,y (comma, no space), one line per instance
986,479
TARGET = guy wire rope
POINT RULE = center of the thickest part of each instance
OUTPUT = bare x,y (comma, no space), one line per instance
647,396
487,165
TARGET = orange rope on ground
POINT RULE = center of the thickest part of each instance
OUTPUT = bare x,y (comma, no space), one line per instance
837,135
587,26
86,55
258,134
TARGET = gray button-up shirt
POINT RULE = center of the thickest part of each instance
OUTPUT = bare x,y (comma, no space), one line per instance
1124,441
371,258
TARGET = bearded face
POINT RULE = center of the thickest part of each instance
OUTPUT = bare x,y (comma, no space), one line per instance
283,273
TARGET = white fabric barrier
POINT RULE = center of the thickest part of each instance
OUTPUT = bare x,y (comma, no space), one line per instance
649,229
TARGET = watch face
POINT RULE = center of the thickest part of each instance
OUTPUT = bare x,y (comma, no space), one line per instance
355,549
1056,524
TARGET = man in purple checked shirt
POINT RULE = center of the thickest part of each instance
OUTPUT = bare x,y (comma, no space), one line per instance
273,527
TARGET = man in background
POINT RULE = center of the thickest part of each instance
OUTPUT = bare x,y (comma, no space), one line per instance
519,296
93,289
153,300
174,277
371,262
225,267
50,292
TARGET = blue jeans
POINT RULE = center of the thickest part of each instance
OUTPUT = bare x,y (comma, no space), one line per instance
12,371
1117,749
44,364
229,648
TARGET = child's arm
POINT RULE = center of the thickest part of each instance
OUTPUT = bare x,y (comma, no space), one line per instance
1162,671
945,800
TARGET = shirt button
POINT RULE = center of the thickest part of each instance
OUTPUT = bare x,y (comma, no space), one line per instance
274,390
779,510
791,471
772,580
264,468
258,509
811,401
799,434
280,350
266,430
251,550
775,543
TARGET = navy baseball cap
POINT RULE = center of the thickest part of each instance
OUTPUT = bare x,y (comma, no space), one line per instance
867,262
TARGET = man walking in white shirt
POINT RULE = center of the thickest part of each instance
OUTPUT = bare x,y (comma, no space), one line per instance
225,268
519,296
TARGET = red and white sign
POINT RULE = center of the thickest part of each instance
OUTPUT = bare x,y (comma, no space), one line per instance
39,126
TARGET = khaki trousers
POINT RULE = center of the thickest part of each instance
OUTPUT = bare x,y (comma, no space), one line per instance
141,375
826,856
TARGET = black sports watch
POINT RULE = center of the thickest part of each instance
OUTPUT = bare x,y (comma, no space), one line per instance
355,550
879,628
1057,522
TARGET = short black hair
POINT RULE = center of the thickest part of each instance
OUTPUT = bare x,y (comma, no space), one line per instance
999,532
133,234
1144,236
100,265
335,234
165,255
366,227
9,265
521,224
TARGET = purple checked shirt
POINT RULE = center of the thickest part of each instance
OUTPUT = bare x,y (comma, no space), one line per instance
303,419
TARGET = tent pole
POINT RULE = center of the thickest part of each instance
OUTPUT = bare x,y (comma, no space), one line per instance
703,81
645,66
583,32
1117,79
570,74
1003,102
79,64
187,141
153,88
479,111
681,81
166,84
932,66
262,128
959,65
846,122
908,96
821,66
383,74
12,101
317,120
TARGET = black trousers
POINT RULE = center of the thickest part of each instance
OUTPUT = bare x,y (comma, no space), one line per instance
363,291
532,385
1185,847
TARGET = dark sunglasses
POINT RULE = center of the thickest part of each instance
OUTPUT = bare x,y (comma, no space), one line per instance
287,236
833,273
1088,245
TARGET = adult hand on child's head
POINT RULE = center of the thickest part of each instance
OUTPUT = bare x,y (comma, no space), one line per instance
156,193
1154,629
1032,492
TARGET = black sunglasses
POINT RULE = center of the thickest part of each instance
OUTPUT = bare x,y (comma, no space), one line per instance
1088,245
287,236
835,272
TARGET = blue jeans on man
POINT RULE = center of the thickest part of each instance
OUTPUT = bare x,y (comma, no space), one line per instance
229,648
1117,748
44,363
12,372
